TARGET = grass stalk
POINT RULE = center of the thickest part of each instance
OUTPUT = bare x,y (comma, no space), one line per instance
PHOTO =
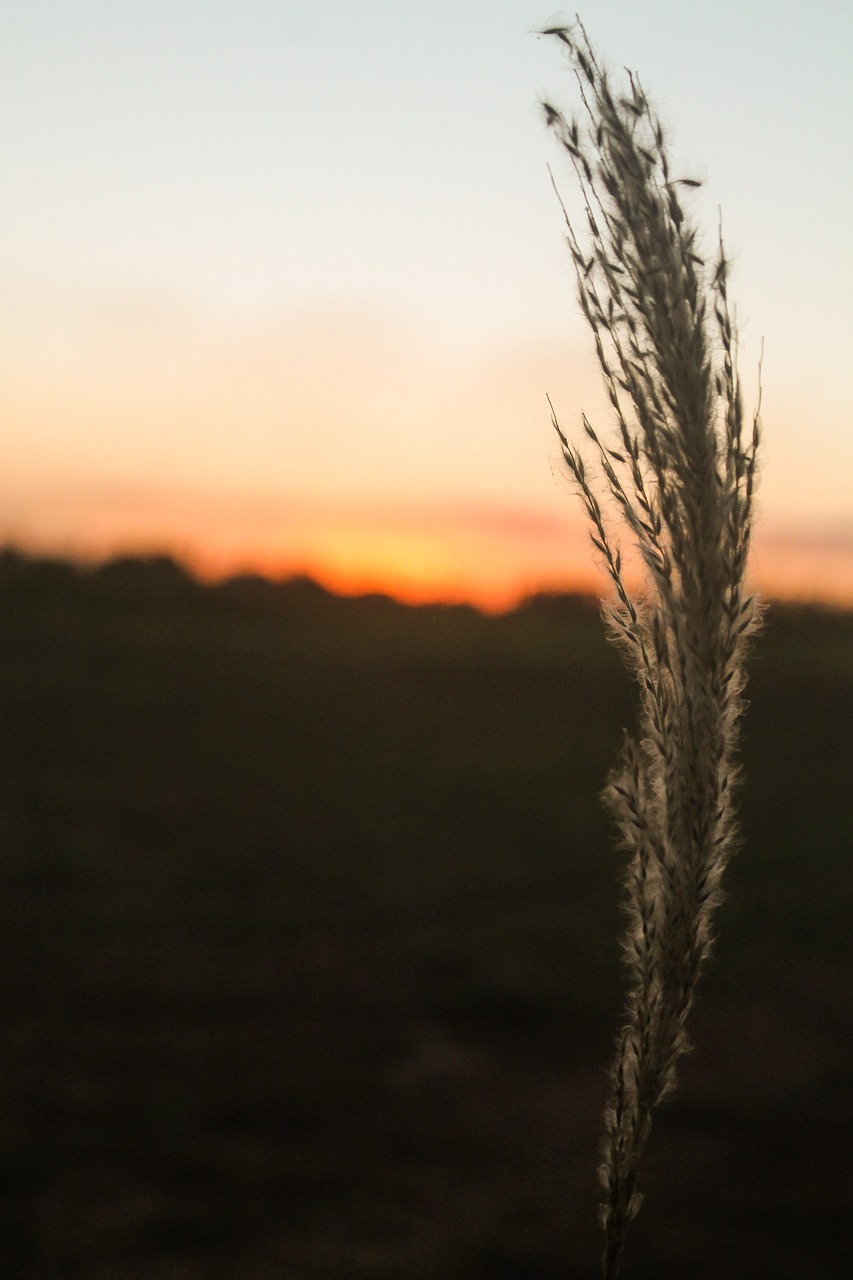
679,474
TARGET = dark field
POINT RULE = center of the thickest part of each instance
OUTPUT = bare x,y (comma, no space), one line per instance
309,916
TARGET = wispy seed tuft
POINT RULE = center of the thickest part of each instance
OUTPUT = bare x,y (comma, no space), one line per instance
681,474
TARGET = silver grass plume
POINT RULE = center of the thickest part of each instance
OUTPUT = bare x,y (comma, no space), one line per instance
680,472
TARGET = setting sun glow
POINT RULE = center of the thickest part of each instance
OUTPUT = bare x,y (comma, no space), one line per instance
270,303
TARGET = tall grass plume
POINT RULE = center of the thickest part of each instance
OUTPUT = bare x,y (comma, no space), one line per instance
678,473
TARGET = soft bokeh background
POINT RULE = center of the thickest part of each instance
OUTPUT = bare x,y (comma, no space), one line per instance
308,906
284,284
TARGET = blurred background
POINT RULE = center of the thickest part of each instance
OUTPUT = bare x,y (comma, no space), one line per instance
309,906
284,285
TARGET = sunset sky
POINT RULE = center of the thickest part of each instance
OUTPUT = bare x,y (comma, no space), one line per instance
283,283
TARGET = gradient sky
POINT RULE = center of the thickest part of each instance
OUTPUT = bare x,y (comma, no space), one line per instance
283,283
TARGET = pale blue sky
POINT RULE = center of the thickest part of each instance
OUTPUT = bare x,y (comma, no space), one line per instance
314,246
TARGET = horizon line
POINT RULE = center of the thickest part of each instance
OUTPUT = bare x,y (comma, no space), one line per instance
581,587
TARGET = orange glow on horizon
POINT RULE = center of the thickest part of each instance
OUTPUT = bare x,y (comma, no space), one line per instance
494,557
410,584
456,551
489,563
414,567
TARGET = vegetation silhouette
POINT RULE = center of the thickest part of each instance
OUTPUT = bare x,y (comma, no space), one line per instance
307,942
680,472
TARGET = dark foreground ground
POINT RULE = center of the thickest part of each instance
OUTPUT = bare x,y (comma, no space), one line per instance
309,966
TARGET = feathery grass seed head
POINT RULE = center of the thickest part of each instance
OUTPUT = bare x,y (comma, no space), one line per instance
681,475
